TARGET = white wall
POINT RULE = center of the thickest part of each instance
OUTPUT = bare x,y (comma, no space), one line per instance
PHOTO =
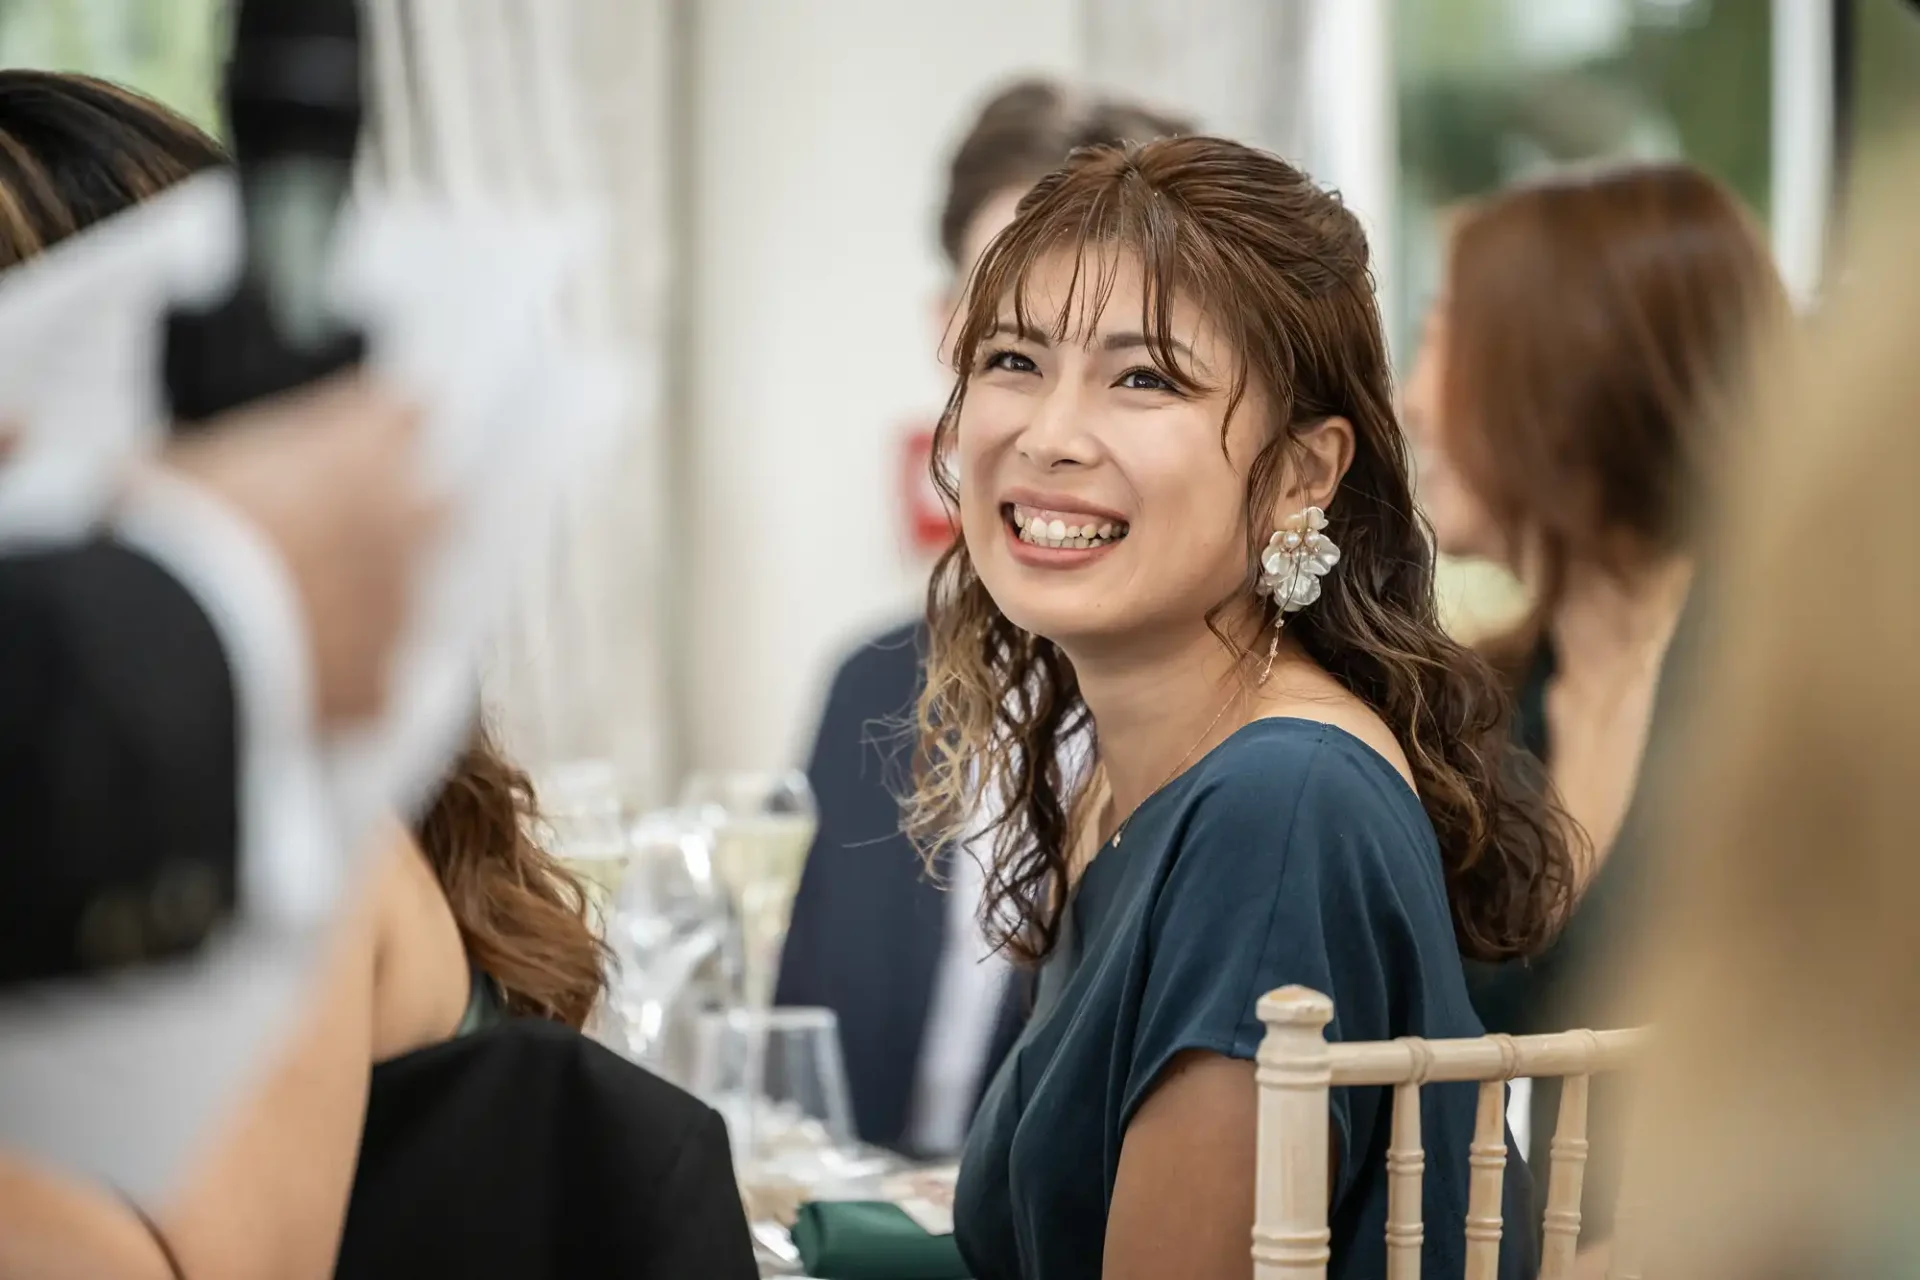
819,133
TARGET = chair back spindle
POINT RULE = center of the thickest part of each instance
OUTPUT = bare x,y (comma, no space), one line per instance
1487,1160
1297,1071
1406,1173
1291,1235
1560,1232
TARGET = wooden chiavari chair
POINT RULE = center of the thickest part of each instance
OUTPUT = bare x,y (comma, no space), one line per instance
1297,1069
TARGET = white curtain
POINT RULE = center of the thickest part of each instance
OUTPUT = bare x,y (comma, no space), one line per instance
562,104
1239,66
1311,80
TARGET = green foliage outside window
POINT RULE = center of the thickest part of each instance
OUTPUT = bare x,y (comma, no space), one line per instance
1886,70
168,49
1493,90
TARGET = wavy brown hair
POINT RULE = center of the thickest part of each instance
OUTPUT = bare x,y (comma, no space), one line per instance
522,916
1281,267
1598,326
75,150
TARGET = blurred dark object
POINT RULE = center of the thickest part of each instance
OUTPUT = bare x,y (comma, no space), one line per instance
295,102
869,924
117,765
1876,84
529,1151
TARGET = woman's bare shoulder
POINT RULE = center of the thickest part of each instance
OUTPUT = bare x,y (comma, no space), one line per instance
422,978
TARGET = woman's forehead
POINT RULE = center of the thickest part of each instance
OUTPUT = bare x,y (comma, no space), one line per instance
1085,294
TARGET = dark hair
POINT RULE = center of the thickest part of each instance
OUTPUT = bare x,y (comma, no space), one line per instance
1281,267
1597,326
1023,133
75,150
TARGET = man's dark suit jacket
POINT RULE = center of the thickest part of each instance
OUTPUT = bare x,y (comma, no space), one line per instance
119,819
869,924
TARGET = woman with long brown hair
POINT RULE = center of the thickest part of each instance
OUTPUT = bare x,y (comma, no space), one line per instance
895,953
1186,524
1570,403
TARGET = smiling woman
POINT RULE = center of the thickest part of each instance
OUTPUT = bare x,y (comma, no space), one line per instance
1186,519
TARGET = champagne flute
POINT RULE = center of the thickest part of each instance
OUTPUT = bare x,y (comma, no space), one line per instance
585,828
669,928
763,825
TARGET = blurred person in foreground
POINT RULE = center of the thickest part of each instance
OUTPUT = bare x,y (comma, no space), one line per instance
464,925
264,561
1782,962
1569,404
926,1006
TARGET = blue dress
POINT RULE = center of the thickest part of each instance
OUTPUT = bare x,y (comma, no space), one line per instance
1292,853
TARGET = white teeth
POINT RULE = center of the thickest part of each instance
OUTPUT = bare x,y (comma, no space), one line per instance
1036,529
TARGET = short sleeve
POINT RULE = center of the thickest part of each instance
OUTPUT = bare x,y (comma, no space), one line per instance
1274,882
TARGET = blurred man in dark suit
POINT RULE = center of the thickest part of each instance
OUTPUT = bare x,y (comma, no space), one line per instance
926,1011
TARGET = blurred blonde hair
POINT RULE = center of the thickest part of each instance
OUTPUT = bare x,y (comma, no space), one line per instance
1784,960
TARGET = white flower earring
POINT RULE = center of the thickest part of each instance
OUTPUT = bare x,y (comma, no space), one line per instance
1297,556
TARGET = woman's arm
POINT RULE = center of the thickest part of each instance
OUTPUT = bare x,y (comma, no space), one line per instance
272,1197
1183,1197
52,1229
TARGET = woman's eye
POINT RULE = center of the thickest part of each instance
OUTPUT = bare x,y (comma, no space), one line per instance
1143,380
1011,361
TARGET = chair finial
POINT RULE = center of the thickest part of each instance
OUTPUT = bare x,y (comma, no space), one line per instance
1295,1007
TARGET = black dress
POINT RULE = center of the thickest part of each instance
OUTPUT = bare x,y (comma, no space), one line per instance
526,1151
1292,853
1571,984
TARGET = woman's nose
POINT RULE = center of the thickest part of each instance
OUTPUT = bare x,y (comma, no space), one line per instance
1057,436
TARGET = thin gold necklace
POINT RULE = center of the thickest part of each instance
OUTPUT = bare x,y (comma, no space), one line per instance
1180,764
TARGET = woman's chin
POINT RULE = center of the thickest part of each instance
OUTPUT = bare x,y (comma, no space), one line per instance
1053,615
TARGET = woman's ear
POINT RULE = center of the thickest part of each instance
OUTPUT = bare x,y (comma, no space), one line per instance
1316,464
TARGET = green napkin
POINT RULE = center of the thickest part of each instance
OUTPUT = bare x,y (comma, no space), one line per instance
871,1240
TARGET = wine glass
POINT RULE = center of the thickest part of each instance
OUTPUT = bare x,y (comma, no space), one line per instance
585,828
778,1079
669,928
763,825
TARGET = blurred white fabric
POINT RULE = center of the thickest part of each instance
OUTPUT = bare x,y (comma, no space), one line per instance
462,304
544,103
